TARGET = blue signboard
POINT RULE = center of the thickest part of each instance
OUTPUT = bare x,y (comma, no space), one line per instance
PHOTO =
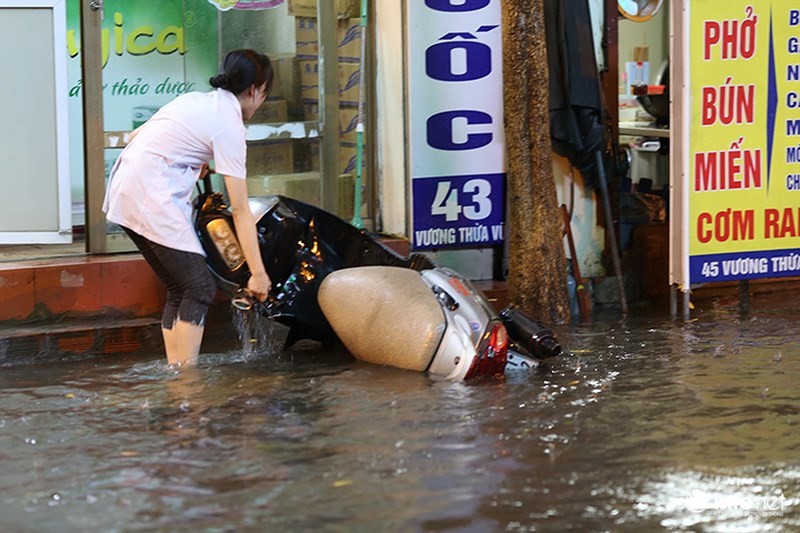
456,133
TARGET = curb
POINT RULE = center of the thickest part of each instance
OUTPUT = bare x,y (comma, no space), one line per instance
50,343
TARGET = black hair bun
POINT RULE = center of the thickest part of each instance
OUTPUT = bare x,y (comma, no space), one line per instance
220,81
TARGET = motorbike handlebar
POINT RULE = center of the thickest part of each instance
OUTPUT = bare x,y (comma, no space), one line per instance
272,307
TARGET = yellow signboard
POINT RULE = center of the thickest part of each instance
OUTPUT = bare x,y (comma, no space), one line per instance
743,150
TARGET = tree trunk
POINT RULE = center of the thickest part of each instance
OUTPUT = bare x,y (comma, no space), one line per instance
537,278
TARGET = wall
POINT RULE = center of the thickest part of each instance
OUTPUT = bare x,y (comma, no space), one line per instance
582,203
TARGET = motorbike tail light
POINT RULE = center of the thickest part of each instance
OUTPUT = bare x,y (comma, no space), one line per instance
492,353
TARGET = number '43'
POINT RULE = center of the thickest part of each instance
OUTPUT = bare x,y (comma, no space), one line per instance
446,203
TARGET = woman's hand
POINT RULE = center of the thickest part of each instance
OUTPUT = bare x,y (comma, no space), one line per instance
259,286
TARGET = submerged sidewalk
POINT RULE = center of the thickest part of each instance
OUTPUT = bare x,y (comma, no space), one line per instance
101,305
98,305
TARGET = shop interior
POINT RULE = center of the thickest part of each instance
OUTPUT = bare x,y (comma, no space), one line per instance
643,120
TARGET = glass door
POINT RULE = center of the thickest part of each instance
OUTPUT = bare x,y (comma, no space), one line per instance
301,143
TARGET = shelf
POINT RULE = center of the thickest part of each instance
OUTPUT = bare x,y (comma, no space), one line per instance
283,131
643,129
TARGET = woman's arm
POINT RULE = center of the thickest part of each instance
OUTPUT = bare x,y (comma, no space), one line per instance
259,283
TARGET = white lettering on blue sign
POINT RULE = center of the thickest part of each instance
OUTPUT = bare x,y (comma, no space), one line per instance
456,134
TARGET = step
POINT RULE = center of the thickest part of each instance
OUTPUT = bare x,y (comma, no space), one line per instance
52,342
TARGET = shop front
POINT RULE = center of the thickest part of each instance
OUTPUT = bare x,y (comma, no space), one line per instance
126,59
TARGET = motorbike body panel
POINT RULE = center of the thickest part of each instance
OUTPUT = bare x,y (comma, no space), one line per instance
384,315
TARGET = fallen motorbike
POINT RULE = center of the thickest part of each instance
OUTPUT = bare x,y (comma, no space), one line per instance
332,282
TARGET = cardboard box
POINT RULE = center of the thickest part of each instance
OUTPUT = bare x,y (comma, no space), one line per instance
305,190
308,8
303,187
306,38
348,154
348,39
349,83
270,111
276,91
286,84
348,119
309,80
349,77
346,196
348,122
310,110
270,158
315,157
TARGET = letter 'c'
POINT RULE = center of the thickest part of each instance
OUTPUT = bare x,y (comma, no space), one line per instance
440,130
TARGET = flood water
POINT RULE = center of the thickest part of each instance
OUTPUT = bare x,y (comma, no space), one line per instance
643,425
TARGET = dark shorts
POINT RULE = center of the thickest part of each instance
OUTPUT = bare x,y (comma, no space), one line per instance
190,286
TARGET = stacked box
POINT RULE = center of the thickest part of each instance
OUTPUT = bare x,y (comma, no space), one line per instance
309,80
348,154
286,84
311,110
349,77
276,91
306,38
348,33
347,158
299,186
270,158
346,196
348,123
349,83
348,119
270,111
268,185
303,187
349,40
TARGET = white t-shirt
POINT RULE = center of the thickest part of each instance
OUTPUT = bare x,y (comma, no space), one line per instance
151,185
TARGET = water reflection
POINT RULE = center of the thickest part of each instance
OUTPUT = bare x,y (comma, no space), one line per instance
644,425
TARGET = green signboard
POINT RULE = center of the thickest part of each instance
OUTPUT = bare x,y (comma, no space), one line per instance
152,52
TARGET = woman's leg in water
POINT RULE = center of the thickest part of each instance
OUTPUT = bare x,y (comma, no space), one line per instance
190,291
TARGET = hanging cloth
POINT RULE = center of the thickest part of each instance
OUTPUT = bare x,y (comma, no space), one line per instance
577,124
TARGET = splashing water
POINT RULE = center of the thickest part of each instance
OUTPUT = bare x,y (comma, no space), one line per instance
256,332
